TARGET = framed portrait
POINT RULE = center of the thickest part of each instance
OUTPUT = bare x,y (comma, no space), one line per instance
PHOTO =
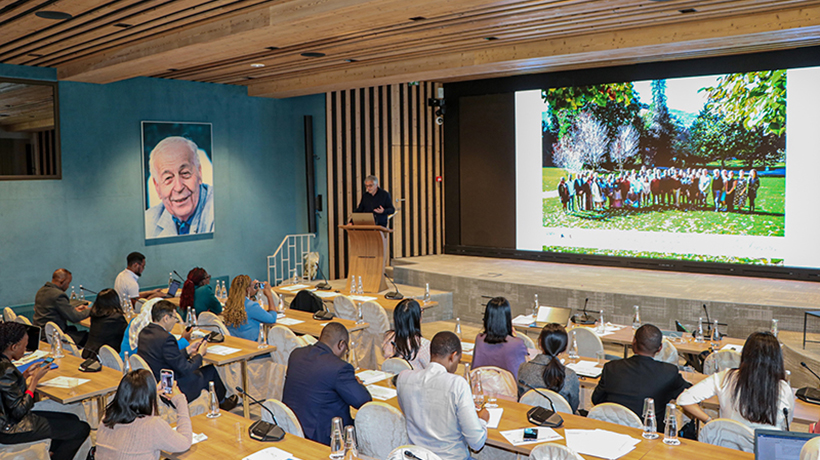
177,171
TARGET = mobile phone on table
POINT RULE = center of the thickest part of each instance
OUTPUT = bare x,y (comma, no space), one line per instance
166,380
47,362
530,433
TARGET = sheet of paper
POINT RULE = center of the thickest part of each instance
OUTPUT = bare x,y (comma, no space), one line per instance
467,347
381,393
295,287
495,416
222,350
516,437
326,294
600,443
737,348
586,368
370,376
523,320
31,357
197,437
271,453
362,298
64,382
288,321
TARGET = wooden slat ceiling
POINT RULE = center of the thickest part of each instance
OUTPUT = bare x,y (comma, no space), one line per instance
369,43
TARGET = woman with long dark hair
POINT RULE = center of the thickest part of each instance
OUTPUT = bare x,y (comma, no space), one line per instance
754,394
132,429
546,370
198,293
405,340
18,423
108,323
497,346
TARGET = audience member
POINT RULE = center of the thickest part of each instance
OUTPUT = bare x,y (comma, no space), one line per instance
243,315
132,428
546,370
51,304
497,346
160,350
438,404
755,394
127,282
108,323
629,381
198,293
19,423
405,340
319,385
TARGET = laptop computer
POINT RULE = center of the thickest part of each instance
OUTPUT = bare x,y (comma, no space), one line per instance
779,445
33,343
553,315
363,218
173,287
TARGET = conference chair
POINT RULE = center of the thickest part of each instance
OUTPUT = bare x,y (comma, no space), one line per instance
531,398
284,417
344,308
23,320
137,362
67,342
369,340
138,306
495,380
210,322
421,452
811,449
9,315
380,428
668,353
283,341
36,450
615,413
554,452
728,433
589,344
396,365
720,361
110,358
527,340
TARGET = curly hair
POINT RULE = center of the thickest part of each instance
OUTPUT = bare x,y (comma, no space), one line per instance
11,333
234,313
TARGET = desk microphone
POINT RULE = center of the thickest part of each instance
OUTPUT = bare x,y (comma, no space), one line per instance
90,364
543,417
585,318
809,394
393,295
263,431
324,286
179,277
88,290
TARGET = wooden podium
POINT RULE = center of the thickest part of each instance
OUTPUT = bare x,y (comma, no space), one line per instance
368,254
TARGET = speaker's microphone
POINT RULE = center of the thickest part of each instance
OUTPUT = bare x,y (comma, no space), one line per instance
553,420
525,384
809,369
393,295
88,290
324,286
263,431
179,277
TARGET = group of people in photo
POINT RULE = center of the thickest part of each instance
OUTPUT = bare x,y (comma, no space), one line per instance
720,190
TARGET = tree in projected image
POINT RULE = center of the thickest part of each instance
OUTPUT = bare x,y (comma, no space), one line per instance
662,129
625,145
585,144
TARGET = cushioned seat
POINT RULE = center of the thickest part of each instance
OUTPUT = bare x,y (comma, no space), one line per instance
615,413
532,398
380,428
728,433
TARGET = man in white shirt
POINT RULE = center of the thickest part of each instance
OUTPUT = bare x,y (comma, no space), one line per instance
439,406
127,282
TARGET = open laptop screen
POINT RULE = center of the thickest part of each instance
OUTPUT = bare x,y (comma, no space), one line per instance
779,445
172,288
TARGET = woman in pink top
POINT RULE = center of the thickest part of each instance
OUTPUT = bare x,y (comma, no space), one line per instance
497,346
132,428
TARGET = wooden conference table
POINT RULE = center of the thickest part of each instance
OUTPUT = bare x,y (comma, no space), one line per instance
310,326
290,290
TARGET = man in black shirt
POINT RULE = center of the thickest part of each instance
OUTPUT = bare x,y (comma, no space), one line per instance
376,200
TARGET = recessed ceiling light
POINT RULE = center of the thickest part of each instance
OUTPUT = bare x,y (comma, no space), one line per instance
351,60
123,25
314,55
272,48
257,65
56,15
489,39
418,18
688,10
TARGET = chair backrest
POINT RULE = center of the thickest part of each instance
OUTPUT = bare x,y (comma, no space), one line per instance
589,344
811,449
369,340
22,319
284,341
532,398
110,358
67,342
668,353
138,305
554,452
396,365
421,452
615,413
138,363
527,340
35,450
344,308
380,428
728,433
496,380
9,315
207,318
720,361
284,417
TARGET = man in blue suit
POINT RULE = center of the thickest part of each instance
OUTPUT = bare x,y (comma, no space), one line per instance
319,385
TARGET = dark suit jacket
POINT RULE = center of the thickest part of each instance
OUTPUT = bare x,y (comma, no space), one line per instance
320,386
51,304
160,350
105,330
370,202
628,381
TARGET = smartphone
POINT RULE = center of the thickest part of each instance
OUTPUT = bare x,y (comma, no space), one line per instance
47,362
166,380
530,433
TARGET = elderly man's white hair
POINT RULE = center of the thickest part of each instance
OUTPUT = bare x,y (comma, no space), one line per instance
170,143
372,178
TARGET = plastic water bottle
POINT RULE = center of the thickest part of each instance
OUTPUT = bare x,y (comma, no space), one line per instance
351,446
775,329
82,293
351,357
260,341
337,446
56,345
458,328
170,278
699,333
295,277
573,348
650,422
715,333
213,402
360,314
670,433
352,284
73,294
360,288
636,318
535,308
281,308
126,364
426,292
189,317
601,323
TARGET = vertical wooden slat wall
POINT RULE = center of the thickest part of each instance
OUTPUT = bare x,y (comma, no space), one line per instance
388,131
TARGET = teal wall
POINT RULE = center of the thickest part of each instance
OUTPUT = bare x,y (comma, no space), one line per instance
92,218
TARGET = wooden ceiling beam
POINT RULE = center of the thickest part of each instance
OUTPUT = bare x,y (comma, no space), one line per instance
711,37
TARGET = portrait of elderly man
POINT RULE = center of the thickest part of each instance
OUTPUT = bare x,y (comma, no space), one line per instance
186,204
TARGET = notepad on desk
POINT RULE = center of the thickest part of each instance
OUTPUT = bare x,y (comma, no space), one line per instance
64,382
523,321
288,321
294,287
362,298
600,443
381,393
271,453
586,368
370,376
222,350
326,294
516,437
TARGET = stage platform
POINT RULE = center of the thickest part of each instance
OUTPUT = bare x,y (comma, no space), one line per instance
745,304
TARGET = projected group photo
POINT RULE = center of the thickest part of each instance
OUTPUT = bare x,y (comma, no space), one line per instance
689,155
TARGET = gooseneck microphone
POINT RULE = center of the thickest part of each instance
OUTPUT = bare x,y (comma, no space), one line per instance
585,318
323,286
544,418
263,431
88,290
179,277
809,369
809,394
393,295
786,418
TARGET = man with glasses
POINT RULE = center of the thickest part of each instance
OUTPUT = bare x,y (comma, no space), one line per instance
376,200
